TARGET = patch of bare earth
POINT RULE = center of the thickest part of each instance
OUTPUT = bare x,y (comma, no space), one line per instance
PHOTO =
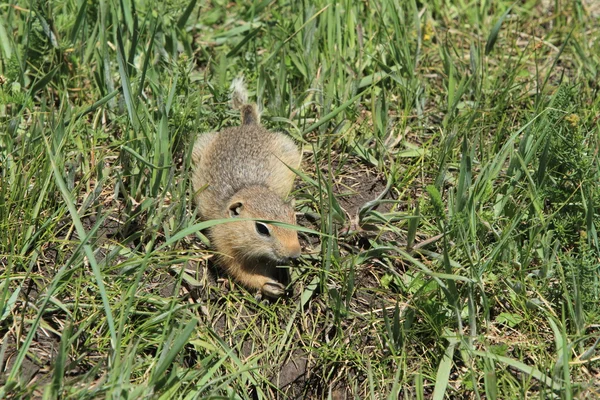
37,367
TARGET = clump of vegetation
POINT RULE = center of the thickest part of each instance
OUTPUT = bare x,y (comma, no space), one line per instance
451,169
568,180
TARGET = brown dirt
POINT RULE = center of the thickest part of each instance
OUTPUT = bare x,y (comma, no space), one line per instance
36,368
355,183
292,375
358,187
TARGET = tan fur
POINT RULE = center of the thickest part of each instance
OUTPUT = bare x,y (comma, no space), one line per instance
243,172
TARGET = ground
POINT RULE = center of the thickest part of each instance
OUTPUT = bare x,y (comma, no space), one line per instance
447,201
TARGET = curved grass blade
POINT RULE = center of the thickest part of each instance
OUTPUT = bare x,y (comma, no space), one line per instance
93,107
526,369
39,85
86,247
207,224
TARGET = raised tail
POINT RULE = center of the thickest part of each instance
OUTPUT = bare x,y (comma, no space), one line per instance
239,101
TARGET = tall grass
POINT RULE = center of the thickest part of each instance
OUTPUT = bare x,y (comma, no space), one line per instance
451,169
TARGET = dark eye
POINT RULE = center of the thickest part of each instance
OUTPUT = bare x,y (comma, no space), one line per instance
262,229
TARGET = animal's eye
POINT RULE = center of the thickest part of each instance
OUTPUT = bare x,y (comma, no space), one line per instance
262,229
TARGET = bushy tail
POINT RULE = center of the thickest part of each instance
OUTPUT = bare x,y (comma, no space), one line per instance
239,101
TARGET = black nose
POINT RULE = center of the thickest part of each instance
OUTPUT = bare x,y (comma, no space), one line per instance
291,258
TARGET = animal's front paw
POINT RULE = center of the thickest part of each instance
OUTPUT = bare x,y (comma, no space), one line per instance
273,289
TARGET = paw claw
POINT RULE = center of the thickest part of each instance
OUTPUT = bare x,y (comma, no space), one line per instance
273,289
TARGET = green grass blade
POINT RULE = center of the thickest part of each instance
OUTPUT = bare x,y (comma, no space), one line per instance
186,14
43,82
442,376
521,366
79,21
125,85
8,305
70,203
167,358
493,36
5,43
332,114
59,364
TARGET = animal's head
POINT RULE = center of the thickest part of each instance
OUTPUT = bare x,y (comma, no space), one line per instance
262,240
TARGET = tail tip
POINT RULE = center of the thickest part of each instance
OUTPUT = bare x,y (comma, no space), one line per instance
239,93
239,101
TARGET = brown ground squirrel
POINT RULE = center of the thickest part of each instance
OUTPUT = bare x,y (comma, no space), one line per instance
242,172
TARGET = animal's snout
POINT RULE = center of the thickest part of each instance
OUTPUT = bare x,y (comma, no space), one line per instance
295,253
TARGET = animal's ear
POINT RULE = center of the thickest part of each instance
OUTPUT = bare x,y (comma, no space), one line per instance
292,203
235,209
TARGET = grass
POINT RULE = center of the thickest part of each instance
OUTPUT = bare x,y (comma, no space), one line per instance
450,165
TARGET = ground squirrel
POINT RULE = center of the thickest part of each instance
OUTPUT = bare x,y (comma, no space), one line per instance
242,172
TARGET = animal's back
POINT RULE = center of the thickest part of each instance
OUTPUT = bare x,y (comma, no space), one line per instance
239,157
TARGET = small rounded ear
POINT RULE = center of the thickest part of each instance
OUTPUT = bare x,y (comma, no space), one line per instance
235,209
292,203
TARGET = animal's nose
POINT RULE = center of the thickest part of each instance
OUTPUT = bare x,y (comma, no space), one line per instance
295,253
